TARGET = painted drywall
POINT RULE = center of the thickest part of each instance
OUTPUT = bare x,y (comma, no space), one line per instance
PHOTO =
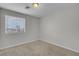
62,28
31,32
0,26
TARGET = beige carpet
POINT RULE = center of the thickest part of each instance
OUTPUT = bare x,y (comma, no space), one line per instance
37,48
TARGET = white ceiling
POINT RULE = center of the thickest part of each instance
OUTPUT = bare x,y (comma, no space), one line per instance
44,10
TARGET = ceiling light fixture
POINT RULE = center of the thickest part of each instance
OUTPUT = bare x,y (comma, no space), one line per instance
35,5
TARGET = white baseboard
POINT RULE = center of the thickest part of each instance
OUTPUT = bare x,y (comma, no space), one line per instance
61,46
17,44
42,40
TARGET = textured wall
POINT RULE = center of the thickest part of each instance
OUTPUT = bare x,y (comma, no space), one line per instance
62,28
31,32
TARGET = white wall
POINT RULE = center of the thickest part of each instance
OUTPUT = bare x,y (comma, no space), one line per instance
32,30
62,28
0,24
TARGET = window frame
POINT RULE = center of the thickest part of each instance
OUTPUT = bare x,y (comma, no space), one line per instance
19,19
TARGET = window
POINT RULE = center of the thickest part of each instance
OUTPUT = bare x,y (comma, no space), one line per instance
14,24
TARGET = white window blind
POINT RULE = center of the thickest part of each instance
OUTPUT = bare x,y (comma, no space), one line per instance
14,24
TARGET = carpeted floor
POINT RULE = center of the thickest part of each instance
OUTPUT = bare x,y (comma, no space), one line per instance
37,48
